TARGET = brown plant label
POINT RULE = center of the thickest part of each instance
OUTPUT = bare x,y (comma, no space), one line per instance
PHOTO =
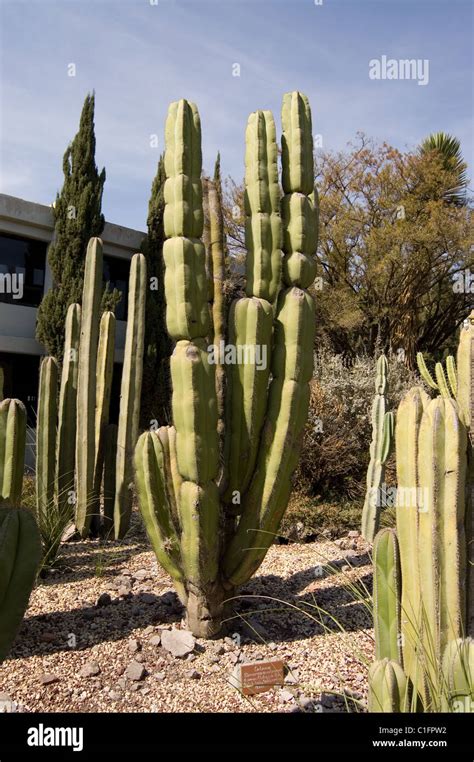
261,676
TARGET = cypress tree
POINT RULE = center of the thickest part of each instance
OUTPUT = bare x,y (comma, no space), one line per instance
77,217
156,387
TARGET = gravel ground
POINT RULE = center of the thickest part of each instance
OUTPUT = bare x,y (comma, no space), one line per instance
91,638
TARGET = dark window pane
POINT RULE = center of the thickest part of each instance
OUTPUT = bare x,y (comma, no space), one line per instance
22,266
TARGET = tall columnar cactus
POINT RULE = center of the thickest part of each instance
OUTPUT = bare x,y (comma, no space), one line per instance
20,553
12,450
66,433
105,368
388,688
382,439
191,495
387,595
132,372
46,436
433,524
86,387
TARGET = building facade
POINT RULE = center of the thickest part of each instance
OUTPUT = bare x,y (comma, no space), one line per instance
26,230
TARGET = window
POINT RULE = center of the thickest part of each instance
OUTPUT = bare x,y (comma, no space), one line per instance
116,273
22,266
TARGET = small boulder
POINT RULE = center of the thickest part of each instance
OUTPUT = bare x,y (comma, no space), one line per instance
179,643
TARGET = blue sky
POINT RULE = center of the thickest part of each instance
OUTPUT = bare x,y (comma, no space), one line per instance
139,56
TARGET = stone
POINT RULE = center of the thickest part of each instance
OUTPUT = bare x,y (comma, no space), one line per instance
193,674
90,669
123,591
115,695
285,696
160,676
103,600
214,660
190,657
155,640
141,574
135,671
179,643
134,646
48,679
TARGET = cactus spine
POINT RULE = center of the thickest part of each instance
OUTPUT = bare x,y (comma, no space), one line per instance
132,372
12,450
382,438
20,553
189,502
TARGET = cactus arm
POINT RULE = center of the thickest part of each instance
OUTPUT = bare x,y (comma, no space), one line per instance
216,245
110,475
465,374
66,436
380,446
251,318
169,469
130,391
452,375
442,381
86,386
424,372
388,687
387,590
409,416
154,505
20,554
46,436
12,450
292,361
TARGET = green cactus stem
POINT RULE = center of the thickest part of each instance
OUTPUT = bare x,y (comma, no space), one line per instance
105,368
387,589
46,437
458,674
388,689
66,435
12,450
380,447
20,554
130,391
86,386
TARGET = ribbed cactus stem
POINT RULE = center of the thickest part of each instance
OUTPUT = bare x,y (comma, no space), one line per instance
441,534
132,373
388,690
105,368
409,505
110,475
452,375
292,361
442,381
387,590
382,439
217,259
86,386
46,436
424,372
66,435
20,555
12,450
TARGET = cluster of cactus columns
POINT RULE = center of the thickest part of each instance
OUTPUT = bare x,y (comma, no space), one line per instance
213,487
422,577
77,449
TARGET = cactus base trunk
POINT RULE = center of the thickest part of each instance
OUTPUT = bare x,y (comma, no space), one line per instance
206,610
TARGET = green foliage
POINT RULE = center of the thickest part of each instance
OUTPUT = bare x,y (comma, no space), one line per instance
447,149
78,217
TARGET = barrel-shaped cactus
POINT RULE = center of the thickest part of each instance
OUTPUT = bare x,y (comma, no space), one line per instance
195,478
20,553
380,446
12,450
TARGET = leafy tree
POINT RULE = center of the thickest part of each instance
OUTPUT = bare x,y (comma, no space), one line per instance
156,387
77,216
448,148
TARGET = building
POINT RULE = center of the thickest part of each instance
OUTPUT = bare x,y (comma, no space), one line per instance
26,230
